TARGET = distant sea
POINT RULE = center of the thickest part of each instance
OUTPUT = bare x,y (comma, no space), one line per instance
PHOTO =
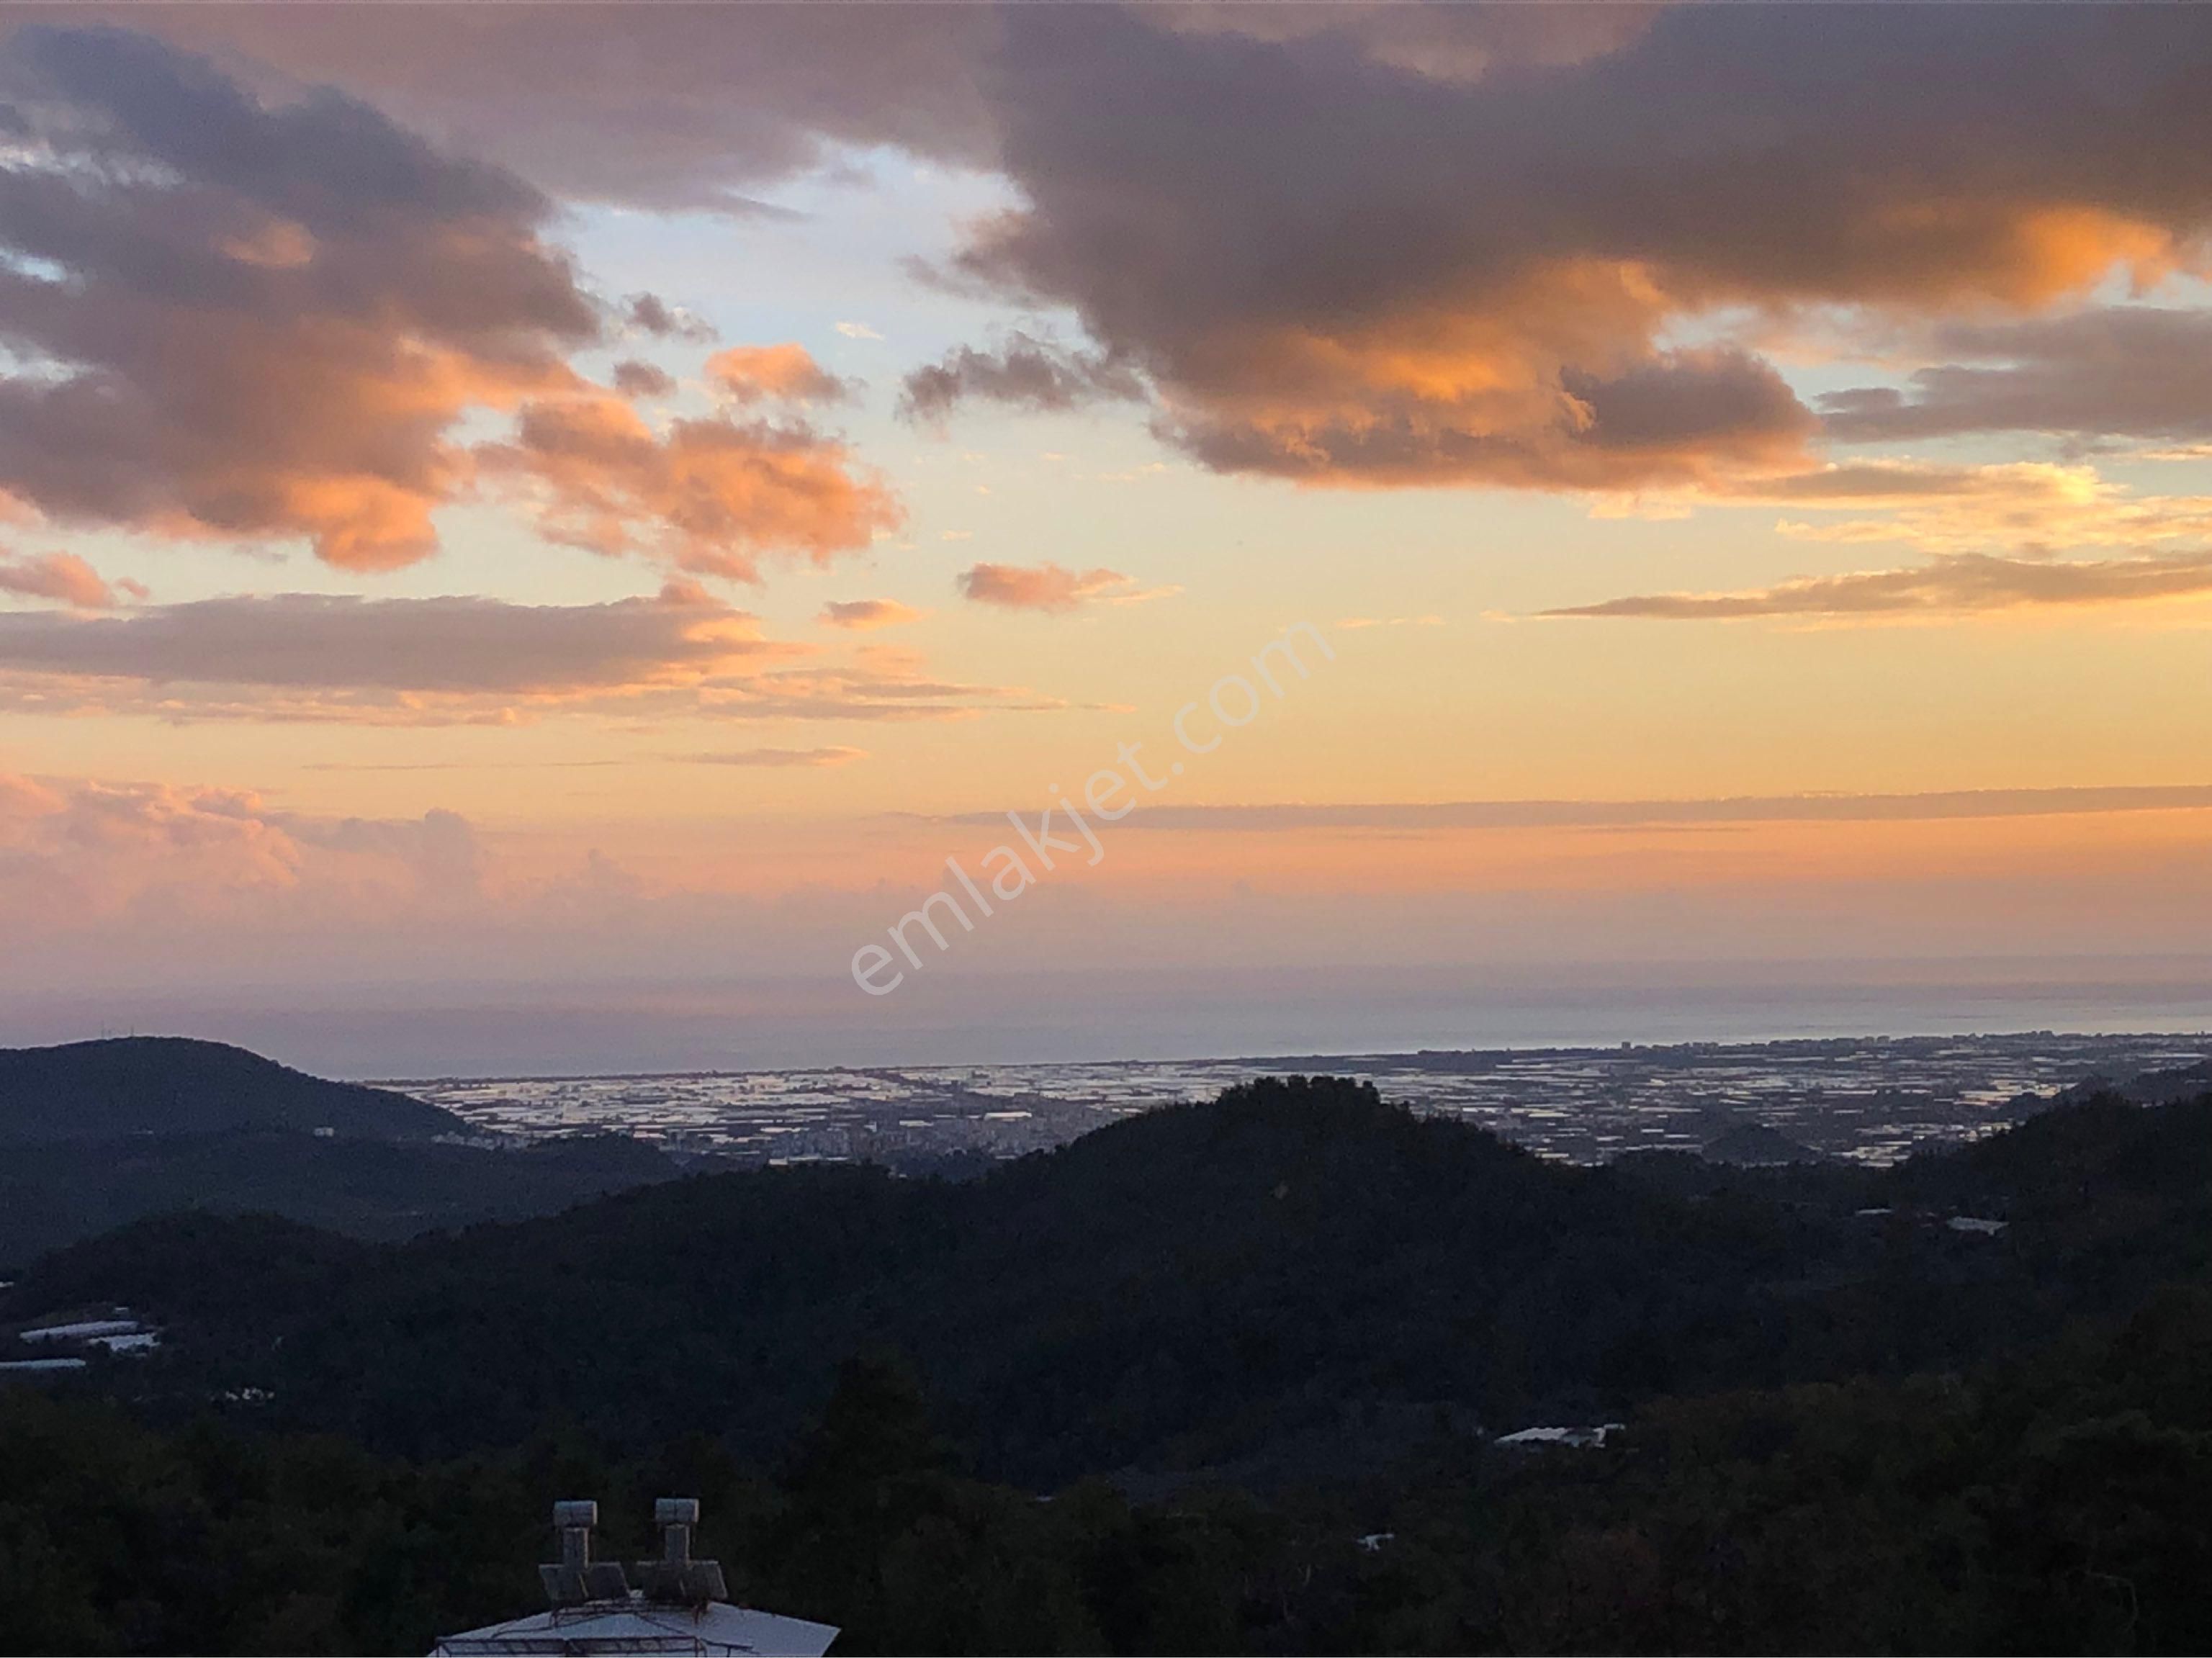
954,1018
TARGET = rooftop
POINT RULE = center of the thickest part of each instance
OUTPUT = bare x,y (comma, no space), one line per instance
678,1605
636,1624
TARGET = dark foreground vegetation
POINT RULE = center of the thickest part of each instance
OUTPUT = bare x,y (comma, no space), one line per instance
1221,1378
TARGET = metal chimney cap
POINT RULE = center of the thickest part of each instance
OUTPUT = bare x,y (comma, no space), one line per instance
676,1511
583,1513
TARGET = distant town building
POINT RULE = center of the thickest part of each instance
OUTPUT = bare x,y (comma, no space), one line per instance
676,1606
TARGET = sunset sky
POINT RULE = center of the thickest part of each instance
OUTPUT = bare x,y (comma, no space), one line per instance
529,534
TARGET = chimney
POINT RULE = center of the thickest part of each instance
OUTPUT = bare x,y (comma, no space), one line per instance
676,1516
577,1578
676,1578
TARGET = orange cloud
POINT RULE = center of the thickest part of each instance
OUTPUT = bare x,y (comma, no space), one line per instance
1958,584
778,758
2033,508
711,495
755,373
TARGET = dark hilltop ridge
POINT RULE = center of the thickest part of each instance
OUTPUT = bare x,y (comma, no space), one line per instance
169,1085
2147,1088
100,1133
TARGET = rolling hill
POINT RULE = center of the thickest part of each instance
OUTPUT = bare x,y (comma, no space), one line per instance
98,1134
171,1085
1292,1278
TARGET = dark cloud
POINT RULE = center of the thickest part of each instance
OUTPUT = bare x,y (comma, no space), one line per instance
1026,372
2131,370
336,659
701,106
859,615
656,106
641,379
1399,244
1443,42
1339,269
648,313
1951,585
254,322
267,321
428,646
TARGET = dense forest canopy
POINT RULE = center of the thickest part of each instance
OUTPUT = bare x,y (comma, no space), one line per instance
1229,1342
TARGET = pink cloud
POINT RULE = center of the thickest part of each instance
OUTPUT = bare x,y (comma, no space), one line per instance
61,576
779,758
1049,587
79,851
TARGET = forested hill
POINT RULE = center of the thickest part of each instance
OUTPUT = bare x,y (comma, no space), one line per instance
98,1134
55,1193
172,1085
1293,1280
